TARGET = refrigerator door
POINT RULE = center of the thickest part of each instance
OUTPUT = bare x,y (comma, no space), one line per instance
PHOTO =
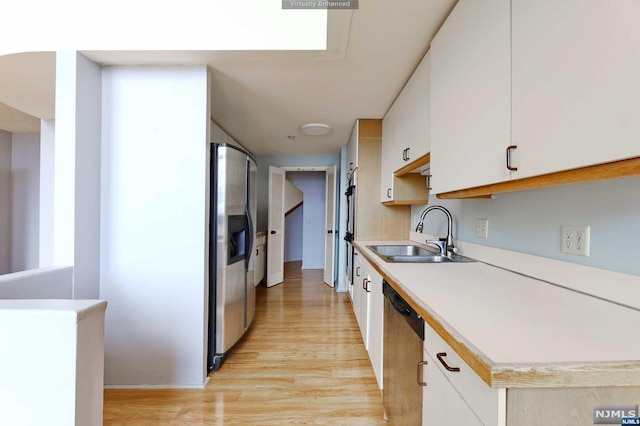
230,229
252,209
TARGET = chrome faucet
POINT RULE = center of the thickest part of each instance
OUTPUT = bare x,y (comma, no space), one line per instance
446,246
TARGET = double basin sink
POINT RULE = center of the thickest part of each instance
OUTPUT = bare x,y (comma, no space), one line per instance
409,253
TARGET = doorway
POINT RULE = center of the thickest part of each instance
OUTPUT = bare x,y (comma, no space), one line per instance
306,234
304,226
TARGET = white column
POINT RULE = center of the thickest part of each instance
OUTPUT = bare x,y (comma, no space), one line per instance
47,158
76,170
154,224
25,171
5,202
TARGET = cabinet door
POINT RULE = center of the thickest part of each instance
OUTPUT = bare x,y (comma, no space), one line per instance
471,96
386,162
406,129
575,83
360,297
419,116
393,144
441,403
376,323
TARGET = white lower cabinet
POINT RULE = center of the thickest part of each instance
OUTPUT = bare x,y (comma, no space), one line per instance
260,259
368,306
360,296
442,404
457,397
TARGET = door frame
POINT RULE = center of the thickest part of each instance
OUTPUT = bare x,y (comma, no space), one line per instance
337,203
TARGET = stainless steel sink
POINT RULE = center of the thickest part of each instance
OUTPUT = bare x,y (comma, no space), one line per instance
401,250
413,254
419,259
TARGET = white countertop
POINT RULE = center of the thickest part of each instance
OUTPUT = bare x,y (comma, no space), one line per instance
524,331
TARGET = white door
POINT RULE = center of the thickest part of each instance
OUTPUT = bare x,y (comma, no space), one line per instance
275,239
329,227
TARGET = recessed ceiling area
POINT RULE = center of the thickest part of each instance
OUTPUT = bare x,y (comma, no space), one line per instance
262,97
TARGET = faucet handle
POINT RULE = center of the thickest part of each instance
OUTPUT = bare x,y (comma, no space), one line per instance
441,244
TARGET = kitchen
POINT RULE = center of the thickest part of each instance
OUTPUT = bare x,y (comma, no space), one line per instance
528,221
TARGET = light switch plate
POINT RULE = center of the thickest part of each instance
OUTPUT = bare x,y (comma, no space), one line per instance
482,228
575,240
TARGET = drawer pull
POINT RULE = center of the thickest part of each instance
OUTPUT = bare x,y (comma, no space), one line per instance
421,365
509,166
442,355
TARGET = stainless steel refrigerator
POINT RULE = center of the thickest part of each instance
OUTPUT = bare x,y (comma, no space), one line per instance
231,249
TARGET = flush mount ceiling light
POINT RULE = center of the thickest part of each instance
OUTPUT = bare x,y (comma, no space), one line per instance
315,129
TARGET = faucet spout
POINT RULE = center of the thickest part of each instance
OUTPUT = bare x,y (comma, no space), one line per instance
450,246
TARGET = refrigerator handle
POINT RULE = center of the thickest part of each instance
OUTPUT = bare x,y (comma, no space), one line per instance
250,236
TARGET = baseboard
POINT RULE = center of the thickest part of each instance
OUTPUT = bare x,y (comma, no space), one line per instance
202,386
313,267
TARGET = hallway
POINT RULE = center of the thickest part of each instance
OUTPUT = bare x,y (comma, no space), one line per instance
301,362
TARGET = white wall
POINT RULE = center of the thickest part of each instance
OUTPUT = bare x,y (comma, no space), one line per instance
313,185
342,221
293,232
5,202
25,217
44,283
154,224
530,221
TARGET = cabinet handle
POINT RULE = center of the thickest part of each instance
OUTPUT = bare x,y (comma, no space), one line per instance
404,154
357,271
330,231
442,355
407,156
428,183
273,232
388,192
509,149
257,252
365,285
351,166
421,365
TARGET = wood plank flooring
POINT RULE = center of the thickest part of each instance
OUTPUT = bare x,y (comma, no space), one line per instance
301,362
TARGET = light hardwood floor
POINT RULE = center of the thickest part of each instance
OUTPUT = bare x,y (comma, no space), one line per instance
301,362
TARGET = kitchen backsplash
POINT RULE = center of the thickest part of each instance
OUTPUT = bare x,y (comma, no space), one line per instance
530,221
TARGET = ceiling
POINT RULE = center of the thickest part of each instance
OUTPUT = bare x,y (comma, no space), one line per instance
262,97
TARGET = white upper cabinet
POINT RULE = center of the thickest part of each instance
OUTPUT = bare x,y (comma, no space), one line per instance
576,83
471,96
406,128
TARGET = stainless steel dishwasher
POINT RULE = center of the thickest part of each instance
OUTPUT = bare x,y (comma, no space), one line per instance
403,360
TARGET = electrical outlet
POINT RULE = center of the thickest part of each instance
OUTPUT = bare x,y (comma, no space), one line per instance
575,240
482,228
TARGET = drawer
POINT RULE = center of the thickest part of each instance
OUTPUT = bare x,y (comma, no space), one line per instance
489,404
